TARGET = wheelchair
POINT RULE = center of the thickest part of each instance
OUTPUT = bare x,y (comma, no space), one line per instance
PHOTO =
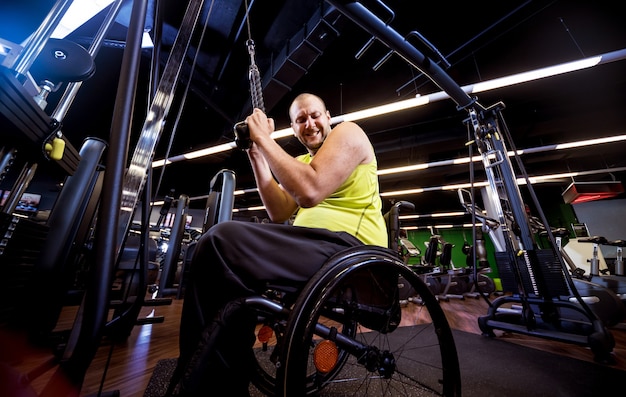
345,332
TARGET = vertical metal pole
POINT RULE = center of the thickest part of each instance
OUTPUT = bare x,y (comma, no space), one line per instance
96,301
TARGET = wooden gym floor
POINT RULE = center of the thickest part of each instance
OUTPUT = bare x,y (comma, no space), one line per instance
132,361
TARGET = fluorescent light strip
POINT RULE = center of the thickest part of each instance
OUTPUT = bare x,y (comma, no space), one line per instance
435,215
146,40
426,99
520,181
449,226
205,196
415,167
465,160
537,179
257,208
77,14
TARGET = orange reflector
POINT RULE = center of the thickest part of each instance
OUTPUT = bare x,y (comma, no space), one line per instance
265,333
325,356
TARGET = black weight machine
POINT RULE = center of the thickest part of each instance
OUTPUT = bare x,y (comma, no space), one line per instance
99,200
544,301
448,278
59,251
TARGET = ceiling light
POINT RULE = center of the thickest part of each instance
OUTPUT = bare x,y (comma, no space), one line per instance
78,13
433,97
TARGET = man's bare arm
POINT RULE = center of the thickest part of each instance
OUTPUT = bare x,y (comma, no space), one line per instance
345,148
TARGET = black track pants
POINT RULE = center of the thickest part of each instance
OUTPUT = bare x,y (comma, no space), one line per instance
237,259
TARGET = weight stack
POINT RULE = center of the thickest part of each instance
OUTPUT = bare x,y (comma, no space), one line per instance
549,270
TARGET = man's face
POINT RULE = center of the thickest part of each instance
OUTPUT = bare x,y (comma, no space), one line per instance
310,122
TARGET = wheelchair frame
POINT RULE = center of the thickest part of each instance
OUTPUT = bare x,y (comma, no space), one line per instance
372,351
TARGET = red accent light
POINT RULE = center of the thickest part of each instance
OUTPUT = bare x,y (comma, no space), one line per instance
582,192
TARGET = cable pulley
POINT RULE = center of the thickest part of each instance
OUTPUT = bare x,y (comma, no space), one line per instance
242,134
254,77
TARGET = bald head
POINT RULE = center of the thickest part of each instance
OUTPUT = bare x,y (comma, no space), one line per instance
303,98
310,121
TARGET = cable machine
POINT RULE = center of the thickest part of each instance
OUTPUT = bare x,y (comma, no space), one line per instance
112,195
544,300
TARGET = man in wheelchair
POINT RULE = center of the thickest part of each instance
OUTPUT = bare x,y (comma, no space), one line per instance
333,192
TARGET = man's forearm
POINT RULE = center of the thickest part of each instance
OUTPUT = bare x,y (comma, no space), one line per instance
278,204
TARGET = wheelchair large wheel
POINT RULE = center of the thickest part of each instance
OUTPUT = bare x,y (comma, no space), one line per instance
348,335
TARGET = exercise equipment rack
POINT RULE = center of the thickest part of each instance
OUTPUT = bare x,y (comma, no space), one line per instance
544,302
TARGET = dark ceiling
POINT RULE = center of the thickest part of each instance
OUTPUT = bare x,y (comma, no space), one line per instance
308,45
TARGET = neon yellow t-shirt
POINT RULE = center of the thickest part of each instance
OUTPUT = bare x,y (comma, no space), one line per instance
355,207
